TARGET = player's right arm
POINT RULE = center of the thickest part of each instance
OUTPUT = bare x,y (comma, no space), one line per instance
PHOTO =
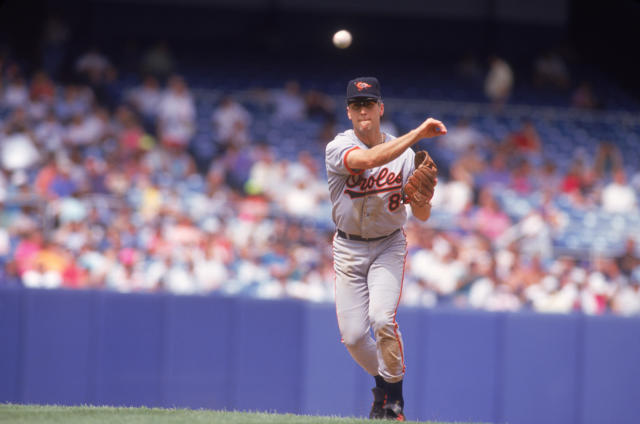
386,152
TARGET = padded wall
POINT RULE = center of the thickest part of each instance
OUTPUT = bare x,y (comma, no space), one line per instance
102,348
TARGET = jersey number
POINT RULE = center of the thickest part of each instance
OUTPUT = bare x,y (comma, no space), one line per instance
394,201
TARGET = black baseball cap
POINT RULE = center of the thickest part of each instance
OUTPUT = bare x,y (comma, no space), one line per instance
363,88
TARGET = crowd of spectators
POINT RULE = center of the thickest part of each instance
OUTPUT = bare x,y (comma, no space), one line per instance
98,190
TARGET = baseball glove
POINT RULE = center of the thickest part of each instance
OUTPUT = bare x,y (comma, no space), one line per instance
420,185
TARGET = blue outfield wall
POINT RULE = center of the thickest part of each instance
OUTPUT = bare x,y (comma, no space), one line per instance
101,348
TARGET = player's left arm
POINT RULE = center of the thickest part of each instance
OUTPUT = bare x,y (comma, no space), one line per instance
421,211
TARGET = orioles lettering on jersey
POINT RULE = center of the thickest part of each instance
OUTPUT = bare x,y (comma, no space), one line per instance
384,181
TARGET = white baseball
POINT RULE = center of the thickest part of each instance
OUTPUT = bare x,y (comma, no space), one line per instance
342,39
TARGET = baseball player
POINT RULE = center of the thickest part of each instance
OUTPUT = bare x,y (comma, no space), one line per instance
372,176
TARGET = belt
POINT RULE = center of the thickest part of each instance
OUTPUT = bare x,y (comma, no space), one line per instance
359,238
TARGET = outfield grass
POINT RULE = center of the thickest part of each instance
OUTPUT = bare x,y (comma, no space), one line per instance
29,414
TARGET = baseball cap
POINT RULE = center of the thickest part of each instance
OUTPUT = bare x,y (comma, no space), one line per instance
363,88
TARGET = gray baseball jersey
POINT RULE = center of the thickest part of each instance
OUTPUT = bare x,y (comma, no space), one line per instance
369,274
367,202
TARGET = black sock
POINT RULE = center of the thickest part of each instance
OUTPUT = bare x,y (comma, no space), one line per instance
394,392
380,383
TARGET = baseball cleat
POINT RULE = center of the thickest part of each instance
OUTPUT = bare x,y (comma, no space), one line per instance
377,407
394,411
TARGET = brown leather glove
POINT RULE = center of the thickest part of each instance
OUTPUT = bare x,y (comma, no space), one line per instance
420,185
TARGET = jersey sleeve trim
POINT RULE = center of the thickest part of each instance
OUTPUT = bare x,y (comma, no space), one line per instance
351,171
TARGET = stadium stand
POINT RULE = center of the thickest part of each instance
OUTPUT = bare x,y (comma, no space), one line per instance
201,183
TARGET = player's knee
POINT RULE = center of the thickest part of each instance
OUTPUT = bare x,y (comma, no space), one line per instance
353,338
382,321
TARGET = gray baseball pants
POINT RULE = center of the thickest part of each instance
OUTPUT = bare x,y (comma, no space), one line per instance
368,287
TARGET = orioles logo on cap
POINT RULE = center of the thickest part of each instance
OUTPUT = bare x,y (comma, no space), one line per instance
360,85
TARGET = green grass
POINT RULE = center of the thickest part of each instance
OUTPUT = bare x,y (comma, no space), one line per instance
28,414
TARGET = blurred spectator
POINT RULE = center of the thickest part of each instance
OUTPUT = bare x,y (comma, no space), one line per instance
626,301
618,196
449,270
77,101
170,162
16,93
51,259
483,285
17,149
87,128
124,275
498,82
455,195
635,180
70,209
289,103
319,105
26,251
552,295
546,177
236,165
146,99
328,131
419,290
522,180
572,180
502,299
9,275
526,140
74,276
583,97
461,137
4,188
180,278
42,88
470,163
305,168
248,270
600,286
132,138
489,220
551,70
55,40
105,88
176,114
497,174
524,273
61,184
531,236
5,241
93,65
158,61
49,133
44,176
209,271
608,159
629,260
300,200
183,232
41,278
576,184
231,122
266,175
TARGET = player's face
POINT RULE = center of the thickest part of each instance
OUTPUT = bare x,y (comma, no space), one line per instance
365,114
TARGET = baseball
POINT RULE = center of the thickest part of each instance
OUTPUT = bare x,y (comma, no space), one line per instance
342,39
